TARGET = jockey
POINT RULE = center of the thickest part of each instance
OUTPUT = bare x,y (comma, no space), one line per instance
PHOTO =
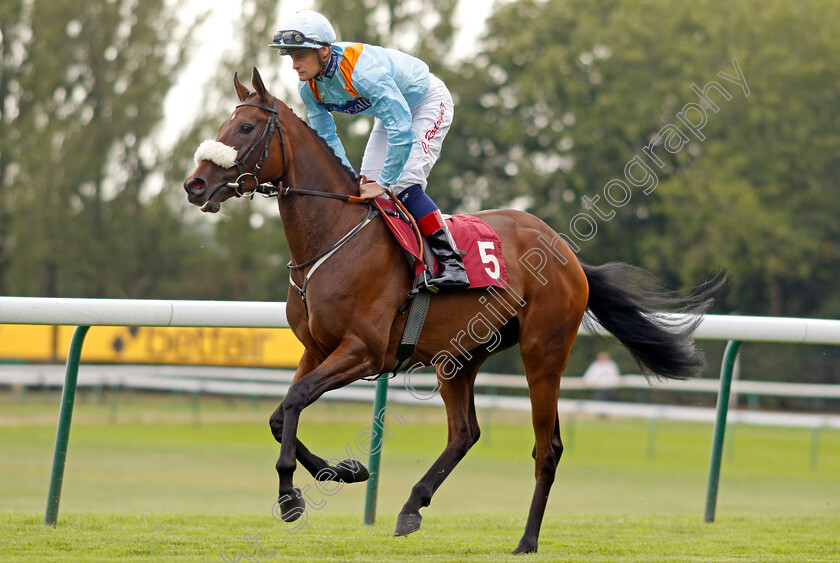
412,112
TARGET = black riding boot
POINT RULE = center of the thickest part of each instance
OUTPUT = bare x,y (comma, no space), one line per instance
452,272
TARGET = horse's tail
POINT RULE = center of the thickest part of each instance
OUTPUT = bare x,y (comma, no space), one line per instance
623,300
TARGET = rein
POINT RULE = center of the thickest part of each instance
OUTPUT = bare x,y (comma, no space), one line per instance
269,189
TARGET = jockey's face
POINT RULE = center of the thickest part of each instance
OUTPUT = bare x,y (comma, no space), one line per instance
307,62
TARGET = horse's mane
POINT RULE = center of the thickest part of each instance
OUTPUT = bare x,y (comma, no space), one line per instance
331,150
327,146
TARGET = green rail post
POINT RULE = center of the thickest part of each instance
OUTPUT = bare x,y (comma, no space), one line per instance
726,368
62,437
375,450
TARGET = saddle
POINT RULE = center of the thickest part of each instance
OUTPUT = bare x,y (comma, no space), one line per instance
479,244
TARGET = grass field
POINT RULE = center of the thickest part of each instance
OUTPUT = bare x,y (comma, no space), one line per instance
158,482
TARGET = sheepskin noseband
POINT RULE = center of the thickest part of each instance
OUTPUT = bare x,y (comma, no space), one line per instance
217,153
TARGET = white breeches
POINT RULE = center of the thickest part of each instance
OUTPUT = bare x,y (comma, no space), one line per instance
430,119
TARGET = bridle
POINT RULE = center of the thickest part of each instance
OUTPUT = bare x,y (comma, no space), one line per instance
272,124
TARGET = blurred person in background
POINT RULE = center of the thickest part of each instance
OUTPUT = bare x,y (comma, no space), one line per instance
604,376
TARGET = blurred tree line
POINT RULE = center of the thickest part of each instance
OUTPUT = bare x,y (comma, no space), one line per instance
552,104
83,90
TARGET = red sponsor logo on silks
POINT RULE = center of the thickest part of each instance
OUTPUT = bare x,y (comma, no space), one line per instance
430,134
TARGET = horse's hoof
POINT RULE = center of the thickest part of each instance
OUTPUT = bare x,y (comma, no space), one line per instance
407,524
524,547
347,471
290,506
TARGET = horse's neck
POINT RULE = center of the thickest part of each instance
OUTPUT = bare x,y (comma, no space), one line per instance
313,224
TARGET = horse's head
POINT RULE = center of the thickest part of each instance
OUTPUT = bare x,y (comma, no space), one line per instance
248,149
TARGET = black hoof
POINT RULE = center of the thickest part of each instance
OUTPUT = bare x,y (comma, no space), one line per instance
524,547
347,471
407,524
290,506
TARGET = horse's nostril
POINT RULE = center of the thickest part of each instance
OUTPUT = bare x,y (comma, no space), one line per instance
195,185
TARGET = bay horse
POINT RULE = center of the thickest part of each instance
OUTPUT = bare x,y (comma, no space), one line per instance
347,315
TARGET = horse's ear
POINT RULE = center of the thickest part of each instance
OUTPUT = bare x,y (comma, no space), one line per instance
241,91
257,83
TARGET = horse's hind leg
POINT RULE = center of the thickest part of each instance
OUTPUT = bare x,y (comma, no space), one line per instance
544,363
457,394
547,451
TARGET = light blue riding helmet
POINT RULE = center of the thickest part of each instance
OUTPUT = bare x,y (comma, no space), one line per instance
305,29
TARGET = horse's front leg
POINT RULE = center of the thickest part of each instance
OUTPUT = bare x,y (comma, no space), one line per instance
347,471
348,363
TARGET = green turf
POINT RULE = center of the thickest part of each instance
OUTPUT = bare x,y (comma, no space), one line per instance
162,480
202,537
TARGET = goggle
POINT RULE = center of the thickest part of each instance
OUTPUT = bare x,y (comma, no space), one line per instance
292,37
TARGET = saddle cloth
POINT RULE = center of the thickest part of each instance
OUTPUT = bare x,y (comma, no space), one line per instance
483,260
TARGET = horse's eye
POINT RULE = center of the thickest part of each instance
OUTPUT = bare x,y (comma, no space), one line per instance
246,128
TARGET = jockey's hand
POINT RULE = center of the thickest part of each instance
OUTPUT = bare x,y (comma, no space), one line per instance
371,190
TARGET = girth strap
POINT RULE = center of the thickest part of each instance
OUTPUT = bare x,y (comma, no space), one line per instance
413,328
411,335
